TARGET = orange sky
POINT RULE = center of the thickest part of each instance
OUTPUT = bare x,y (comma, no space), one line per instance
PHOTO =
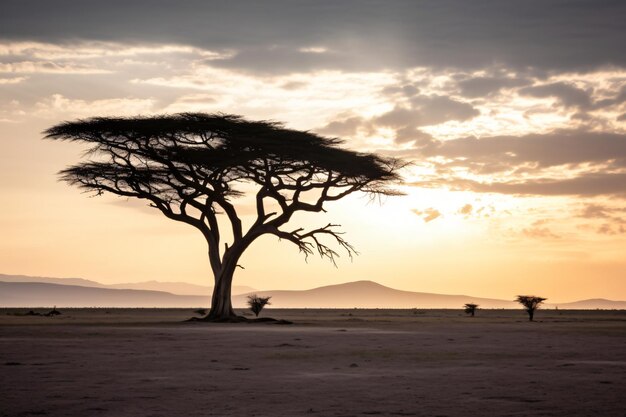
517,184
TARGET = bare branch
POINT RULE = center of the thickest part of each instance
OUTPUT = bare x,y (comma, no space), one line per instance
311,241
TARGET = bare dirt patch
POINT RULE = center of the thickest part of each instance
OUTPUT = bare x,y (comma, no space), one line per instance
141,362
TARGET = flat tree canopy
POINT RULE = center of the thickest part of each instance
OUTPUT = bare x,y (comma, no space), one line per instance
470,308
192,166
530,303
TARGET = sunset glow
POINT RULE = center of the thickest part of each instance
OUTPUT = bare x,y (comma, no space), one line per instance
518,174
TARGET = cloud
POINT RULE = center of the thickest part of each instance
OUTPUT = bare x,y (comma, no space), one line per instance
398,117
406,118
294,85
537,232
26,67
401,89
428,215
602,211
485,86
567,94
306,101
617,99
534,151
595,211
345,127
423,110
281,59
613,222
587,184
466,210
440,109
424,106
12,80
609,229
417,136
532,34
89,50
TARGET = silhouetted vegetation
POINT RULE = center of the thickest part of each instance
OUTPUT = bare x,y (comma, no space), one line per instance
32,313
192,166
470,308
530,303
257,303
53,312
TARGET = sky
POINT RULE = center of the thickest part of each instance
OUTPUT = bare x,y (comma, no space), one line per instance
513,114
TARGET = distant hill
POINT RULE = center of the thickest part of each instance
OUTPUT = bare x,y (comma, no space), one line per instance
369,294
359,294
60,281
38,294
362,294
180,288
591,304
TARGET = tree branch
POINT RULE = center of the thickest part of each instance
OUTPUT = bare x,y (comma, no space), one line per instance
310,242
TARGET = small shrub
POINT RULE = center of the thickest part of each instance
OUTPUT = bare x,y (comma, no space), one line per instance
257,303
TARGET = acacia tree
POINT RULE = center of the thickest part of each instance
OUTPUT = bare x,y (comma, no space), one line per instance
530,303
470,308
192,166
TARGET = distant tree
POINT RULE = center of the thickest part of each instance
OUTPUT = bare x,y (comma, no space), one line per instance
257,303
470,308
191,166
530,303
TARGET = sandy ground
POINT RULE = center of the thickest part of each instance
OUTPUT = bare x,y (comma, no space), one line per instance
329,363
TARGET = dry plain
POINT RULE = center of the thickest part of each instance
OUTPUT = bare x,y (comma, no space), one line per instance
148,362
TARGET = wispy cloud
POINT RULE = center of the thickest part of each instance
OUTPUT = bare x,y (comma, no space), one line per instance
30,67
12,80
89,50
587,184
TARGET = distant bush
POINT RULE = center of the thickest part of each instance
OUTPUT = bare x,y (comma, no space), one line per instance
257,303
470,308
53,312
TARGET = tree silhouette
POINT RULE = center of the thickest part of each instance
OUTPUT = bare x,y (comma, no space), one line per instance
192,166
470,308
257,303
530,303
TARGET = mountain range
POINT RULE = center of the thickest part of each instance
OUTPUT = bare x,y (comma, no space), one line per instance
23,291
180,288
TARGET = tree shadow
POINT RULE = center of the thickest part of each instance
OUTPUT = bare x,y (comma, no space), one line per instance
238,319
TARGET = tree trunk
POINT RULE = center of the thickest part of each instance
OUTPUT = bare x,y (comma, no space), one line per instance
531,313
221,305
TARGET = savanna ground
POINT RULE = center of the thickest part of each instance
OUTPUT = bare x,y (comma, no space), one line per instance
147,362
